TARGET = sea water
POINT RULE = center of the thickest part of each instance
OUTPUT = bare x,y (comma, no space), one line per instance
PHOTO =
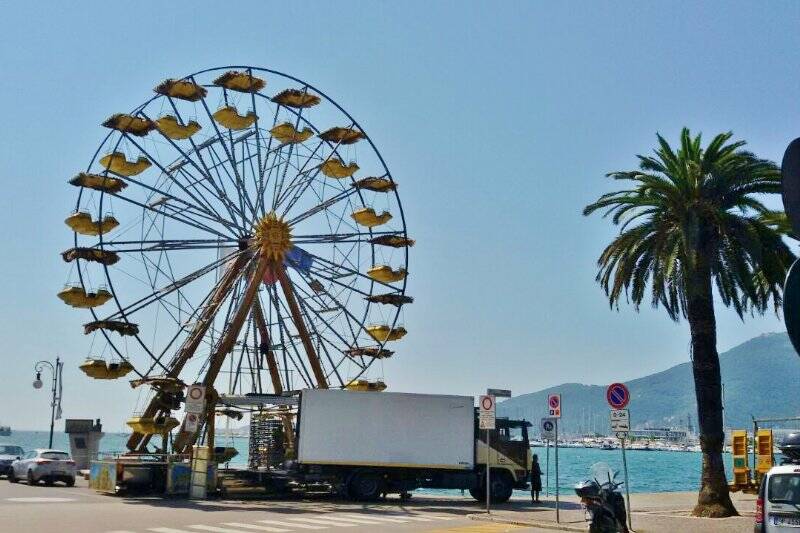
648,471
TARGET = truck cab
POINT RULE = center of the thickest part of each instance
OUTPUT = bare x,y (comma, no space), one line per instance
509,456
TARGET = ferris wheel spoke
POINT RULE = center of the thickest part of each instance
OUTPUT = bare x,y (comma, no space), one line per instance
326,238
219,163
302,171
349,271
209,211
327,204
205,172
165,245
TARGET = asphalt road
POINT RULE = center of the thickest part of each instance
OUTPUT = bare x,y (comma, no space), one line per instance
62,509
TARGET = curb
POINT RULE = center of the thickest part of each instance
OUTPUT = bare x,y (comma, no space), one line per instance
526,523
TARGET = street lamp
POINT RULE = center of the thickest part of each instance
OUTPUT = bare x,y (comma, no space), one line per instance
57,382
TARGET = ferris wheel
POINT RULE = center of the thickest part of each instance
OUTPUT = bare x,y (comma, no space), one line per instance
238,229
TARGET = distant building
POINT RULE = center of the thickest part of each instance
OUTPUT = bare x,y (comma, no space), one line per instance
665,434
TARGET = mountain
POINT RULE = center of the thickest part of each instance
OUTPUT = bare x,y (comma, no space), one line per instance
761,378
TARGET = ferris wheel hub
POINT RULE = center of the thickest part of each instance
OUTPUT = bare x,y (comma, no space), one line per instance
273,236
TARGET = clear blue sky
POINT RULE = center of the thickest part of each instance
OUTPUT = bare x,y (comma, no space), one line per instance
499,121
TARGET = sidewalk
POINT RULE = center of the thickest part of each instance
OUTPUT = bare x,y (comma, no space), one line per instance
665,511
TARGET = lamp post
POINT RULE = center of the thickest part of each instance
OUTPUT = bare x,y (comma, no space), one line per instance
56,401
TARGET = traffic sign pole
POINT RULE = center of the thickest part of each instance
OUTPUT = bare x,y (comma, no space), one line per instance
627,488
488,483
558,518
547,447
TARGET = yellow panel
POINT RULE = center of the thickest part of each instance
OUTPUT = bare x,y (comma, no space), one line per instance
129,124
118,164
242,82
230,118
182,89
77,297
82,223
366,217
383,333
296,98
152,426
98,182
362,385
385,273
286,133
764,456
98,369
335,168
170,127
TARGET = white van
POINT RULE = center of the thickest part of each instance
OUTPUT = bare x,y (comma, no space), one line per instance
778,503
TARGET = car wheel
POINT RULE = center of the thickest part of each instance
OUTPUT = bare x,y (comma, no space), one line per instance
11,477
31,479
49,481
70,482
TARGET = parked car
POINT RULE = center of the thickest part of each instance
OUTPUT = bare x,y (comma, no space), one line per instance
778,503
44,465
8,454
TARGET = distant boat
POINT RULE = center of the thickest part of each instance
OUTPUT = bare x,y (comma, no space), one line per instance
5,431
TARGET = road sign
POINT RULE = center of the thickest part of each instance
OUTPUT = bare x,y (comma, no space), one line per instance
554,405
195,399
499,393
191,422
617,395
620,421
486,412
547,429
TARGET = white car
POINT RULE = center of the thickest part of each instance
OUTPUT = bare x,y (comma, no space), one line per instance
778,503
44,464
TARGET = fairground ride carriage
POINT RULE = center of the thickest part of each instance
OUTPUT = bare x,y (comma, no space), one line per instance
247,239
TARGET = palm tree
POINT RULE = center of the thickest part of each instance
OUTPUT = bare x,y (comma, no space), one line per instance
690,221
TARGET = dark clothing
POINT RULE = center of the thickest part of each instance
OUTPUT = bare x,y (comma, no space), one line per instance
536,478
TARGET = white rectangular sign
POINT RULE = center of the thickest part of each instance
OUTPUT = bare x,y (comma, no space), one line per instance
190,423
196,399
486,412
548,429
554,405
620,421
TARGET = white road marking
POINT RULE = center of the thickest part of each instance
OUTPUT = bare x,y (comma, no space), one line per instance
377,518
167,530
120,531
40,499
217,529
414,517
321,522
258,528
287,524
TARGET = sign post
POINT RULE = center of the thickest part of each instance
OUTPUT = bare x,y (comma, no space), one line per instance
618,396
547,430
554,407
486,420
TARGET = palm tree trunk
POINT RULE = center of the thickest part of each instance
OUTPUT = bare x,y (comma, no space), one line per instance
714,499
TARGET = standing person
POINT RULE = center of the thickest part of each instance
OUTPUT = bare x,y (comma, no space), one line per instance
536,479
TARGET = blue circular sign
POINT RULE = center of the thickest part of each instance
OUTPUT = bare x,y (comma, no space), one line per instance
617,395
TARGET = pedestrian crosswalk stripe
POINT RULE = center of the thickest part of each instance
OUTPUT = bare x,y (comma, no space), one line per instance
257,528
415,518
322,522
214,529
167,530
358,519
372,518
287,524
483,528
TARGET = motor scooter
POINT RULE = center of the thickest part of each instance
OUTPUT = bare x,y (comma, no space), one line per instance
604,504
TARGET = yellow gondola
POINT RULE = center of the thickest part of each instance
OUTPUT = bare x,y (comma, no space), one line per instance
76,296
376,184
369,351
164,383
286,133
152,425
243,82
99,369
230,118
390,299
341,135
334,168
384,333
170,127
81,222
118,164
108,184
295,98
129,124
96,255
362,385
181,89
366,217
385,274
118,326
395,241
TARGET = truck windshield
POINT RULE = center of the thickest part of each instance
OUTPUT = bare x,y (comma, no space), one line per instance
784,488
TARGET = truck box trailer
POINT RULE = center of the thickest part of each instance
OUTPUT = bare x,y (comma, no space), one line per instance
370,443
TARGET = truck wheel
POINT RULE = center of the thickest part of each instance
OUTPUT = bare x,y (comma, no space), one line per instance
366,487
501,487
479,493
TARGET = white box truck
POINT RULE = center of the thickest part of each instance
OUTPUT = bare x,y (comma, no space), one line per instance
366,444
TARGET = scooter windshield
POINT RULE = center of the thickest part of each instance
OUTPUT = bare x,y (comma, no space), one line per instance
603,474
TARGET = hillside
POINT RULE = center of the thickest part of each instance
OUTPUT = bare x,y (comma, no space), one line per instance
761,378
